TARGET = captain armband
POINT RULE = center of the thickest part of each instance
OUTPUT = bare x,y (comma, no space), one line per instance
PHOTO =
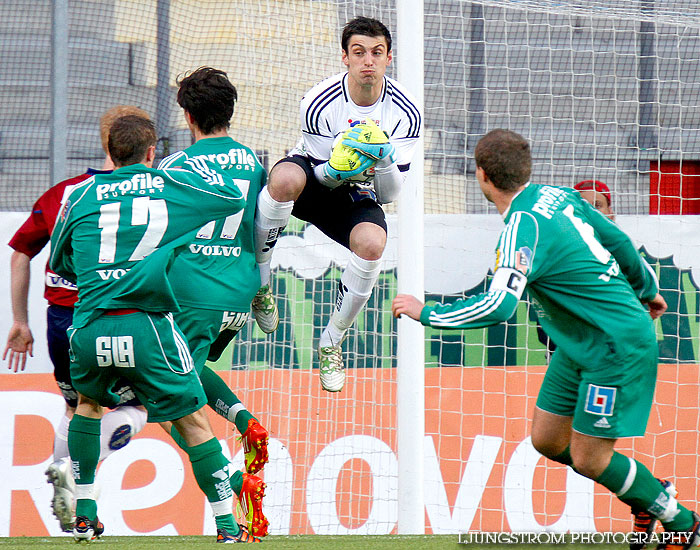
509,280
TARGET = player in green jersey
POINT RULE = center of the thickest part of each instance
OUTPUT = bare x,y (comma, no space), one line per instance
216,277
598,195
588,283
115,237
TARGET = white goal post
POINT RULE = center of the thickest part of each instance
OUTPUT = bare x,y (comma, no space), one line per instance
410,363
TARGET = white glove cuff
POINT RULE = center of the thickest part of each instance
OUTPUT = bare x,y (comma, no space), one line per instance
325,179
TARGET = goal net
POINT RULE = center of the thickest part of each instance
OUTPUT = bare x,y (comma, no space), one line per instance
604,90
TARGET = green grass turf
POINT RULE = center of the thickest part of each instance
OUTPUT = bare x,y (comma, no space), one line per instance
298,542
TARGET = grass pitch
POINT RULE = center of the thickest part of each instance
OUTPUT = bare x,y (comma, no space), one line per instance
296,542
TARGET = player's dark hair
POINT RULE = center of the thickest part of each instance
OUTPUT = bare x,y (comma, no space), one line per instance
505,158
365,26
129,139
207,95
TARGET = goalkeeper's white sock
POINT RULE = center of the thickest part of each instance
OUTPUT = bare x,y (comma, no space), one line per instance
118,427
265,270
356,284
271,218
60,441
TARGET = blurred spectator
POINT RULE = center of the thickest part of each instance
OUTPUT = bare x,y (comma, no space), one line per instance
598,194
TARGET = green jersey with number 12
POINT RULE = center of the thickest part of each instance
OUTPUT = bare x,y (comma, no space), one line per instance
117,233
218,270
585,277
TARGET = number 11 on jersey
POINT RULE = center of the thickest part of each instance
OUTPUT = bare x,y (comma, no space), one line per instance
231,223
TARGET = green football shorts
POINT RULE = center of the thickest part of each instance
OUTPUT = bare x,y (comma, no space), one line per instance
149,351
609,401
201,328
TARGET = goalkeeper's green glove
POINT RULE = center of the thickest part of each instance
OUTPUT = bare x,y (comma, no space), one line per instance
358,136
345,163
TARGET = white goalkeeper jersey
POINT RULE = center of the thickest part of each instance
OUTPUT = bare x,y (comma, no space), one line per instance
327,111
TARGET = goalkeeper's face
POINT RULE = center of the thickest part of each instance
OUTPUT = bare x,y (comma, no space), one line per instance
367,58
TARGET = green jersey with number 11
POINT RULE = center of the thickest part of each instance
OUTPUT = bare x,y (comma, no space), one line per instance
585,277
218,270
117,233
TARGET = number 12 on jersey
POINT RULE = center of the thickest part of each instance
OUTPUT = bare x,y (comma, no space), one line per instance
153,213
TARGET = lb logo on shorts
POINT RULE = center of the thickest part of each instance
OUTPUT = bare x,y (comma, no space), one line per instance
600,400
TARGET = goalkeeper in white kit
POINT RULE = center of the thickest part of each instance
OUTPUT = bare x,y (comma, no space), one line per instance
359,132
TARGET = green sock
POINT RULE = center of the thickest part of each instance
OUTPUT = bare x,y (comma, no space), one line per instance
237,476
635,485
228,523
211,470
237,482
223,400
178,438
242,419
563,457
84,448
